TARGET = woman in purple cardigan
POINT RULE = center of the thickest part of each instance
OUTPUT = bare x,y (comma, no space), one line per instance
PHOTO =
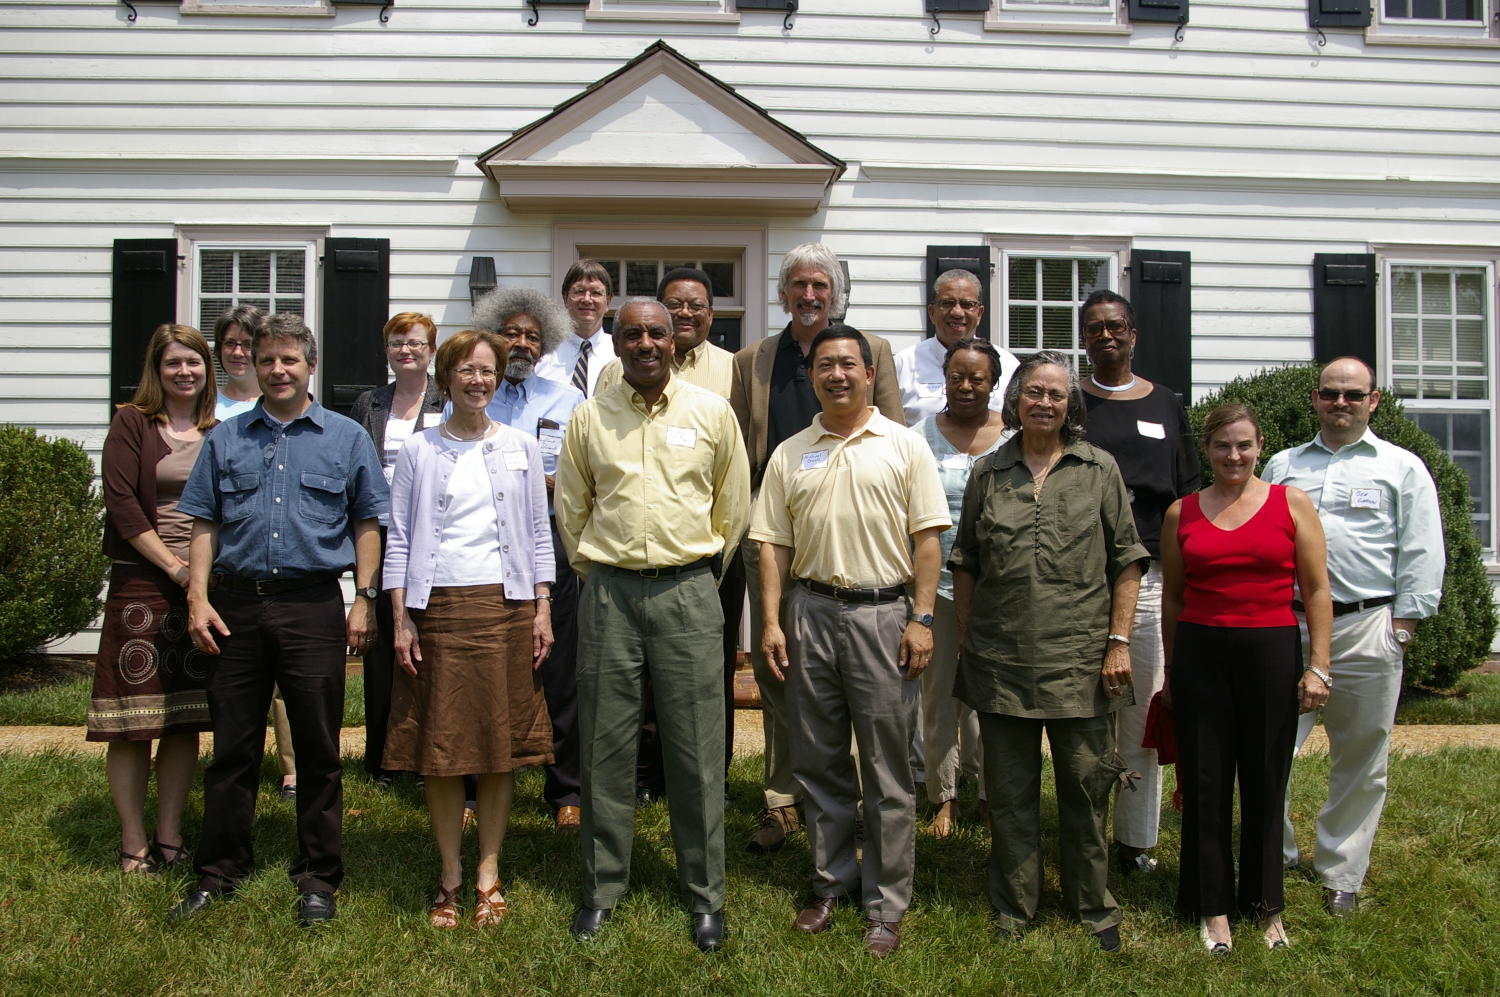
149,679
468,562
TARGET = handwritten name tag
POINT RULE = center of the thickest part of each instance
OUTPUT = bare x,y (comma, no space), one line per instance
1365,498
682,436
515,460
814,459
1155,430
549,441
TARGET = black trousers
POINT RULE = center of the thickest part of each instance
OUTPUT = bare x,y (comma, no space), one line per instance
379,672
296,641
560,684
732,602
1234,700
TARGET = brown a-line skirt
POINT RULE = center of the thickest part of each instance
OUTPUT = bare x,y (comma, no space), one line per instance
475,705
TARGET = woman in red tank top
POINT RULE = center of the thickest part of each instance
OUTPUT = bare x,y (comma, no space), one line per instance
1230,557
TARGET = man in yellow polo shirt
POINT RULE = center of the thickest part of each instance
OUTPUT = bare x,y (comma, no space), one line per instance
653,487
852,508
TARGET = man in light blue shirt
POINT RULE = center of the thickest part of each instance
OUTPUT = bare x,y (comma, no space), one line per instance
534,325
1379,510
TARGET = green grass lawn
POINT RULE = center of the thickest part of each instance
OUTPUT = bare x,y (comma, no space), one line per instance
69,924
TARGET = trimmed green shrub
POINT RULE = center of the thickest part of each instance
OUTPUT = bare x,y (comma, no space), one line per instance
1459,637
52,566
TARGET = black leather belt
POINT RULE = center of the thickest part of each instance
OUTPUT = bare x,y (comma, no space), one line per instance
702,564
1345,608
268,586
842,594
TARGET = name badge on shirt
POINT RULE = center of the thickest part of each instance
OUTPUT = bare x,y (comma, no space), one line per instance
956,462
1155,430
515,460
549,441
682,436
814,459
1365,498
930,389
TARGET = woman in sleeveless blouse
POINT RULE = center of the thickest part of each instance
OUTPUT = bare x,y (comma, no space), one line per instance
1230,557
148,678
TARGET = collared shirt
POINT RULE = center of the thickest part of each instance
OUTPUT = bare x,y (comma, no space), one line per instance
227,408
539,407
421,497
708,366
1379,510
847,507
924,386
792,404
1044,571
286,495
954,467
558,365
656,489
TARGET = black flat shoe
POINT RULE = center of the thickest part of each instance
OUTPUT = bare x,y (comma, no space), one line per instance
316,908
288,793
1109,938
193,904
708,931
588,921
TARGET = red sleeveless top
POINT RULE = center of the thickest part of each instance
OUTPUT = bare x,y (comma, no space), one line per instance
1241,577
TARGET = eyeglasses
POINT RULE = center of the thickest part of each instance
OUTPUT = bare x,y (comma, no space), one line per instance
1352,397
675,304
1042,395
576,293
476,373
948,304
235,346
515,332
1115,327
397,345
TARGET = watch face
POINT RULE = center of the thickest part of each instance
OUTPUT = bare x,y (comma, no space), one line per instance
1402,637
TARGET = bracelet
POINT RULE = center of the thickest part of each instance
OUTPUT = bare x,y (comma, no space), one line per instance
1120,638
547,597
1327,679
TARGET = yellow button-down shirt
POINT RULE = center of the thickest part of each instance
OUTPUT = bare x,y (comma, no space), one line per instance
638,489
706,365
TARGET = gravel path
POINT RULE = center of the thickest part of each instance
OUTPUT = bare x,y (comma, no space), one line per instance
749,741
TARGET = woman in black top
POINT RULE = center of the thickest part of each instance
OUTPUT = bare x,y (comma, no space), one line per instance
1143,426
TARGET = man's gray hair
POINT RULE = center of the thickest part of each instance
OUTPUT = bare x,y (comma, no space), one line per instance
1072,428
819,257
286,325
641,299
956,274
497,308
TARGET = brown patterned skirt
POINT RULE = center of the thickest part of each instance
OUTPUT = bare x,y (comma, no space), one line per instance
476,704
149,679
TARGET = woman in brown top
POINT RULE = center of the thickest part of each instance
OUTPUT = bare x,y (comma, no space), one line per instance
149,679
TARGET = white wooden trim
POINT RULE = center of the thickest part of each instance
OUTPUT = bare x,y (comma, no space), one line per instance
324,9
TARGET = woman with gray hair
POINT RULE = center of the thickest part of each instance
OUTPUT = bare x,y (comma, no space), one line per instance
1046,566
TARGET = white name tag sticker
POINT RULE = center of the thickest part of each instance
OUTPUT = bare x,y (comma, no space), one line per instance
1155,430
956,462
814,459
515,460
550,441
682,436
1364,498
935,388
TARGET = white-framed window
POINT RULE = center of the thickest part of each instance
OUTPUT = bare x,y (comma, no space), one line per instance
260,8
637,270
1438,21
662,10
1041,286
1105,16
1439,336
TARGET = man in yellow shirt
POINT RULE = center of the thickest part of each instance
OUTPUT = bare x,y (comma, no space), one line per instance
653,488
852,508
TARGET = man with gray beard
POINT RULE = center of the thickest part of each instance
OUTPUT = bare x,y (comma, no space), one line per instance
534,324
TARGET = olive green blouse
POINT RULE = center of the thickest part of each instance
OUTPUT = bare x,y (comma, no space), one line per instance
1044,571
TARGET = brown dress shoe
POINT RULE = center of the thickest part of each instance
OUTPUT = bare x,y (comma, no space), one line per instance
816,915
568,818
775,826
945,820
882,938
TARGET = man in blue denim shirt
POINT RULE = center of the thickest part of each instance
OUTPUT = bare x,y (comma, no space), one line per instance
285,498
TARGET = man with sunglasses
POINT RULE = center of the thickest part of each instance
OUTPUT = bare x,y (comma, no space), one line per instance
1379,509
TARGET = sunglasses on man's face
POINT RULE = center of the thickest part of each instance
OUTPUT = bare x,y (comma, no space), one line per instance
1352,397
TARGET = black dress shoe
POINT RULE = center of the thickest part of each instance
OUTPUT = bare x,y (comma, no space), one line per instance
193,904
708,931
1340,903
1109,938
315,908
588,921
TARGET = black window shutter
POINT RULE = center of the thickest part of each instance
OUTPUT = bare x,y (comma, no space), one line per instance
955,6
356,304
1161,290
976,260
143,295
1173,11
1344,306
1338,13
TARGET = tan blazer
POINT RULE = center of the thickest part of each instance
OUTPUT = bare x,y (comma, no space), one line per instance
750,393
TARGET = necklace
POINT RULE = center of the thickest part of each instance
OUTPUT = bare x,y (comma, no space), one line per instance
1037,481
1110,387
468,439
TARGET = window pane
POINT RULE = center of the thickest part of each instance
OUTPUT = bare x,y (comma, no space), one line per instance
1022,329
1404,339
1093,275
1023,278
1437,298
640,278
1427,8
1466,437
1438,319
290,275
726,333
1057,280
722,274
254,271
1057,329
1083,4
217,267
1404,290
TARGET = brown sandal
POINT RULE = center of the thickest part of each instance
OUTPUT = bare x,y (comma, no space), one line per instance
443,911
171,856
489,906
144,863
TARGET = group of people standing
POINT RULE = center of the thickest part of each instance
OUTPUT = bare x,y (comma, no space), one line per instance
947,552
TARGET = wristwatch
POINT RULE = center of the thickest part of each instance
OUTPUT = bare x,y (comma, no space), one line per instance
369,592
923,618
1403,637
